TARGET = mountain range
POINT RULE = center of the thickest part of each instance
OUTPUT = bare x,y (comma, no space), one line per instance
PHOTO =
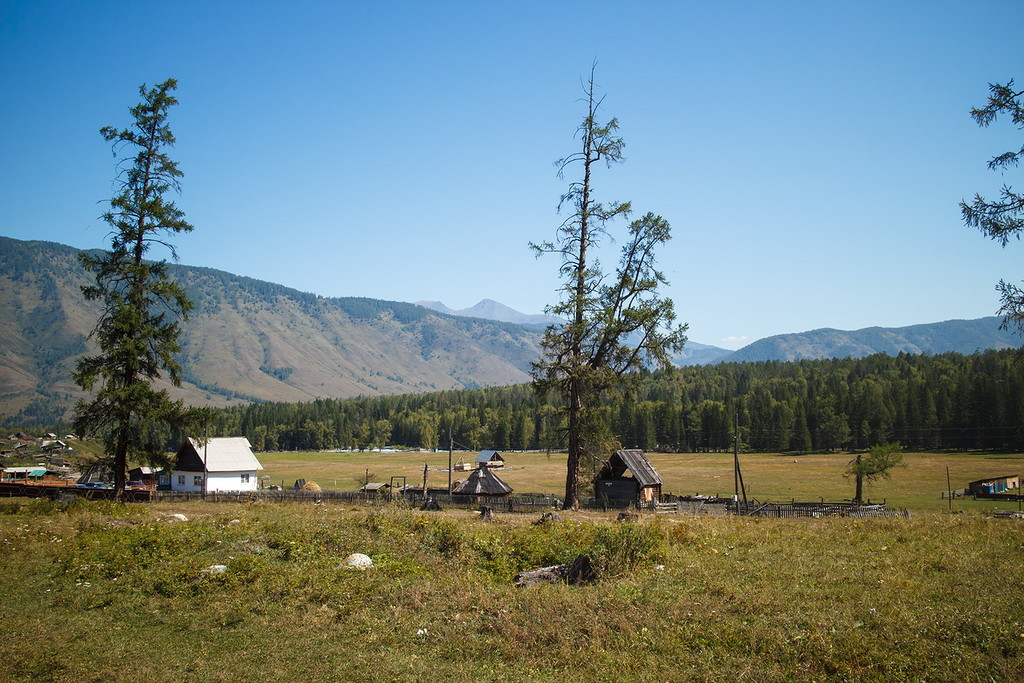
246,340
250,340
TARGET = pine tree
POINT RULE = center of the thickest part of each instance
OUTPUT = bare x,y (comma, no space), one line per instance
615,325
1002,218
138,330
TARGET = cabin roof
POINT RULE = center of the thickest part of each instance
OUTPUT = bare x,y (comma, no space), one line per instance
488,456
636,462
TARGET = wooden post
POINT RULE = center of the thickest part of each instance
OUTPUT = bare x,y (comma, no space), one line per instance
949,489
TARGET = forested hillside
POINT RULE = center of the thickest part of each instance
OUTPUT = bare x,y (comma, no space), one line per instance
961,336
251,341
949,401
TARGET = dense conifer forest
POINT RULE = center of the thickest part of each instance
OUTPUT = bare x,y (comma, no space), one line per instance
946,401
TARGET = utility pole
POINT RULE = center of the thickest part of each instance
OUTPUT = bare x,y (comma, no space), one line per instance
737,472
206,442
449,458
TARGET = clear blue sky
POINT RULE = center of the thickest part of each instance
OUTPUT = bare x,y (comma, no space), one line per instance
809,155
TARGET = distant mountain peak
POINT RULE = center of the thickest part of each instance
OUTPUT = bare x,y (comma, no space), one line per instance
489,309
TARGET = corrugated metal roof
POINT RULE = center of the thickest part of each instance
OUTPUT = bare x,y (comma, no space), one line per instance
226,454
487,456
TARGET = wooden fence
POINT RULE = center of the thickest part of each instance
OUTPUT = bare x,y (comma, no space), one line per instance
815,509
527,504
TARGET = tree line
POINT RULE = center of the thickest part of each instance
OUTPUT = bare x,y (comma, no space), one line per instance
946,401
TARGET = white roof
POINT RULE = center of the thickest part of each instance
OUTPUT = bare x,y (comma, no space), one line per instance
227,454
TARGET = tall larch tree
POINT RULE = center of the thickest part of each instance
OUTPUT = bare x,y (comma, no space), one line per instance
616,323
138,329
1003,218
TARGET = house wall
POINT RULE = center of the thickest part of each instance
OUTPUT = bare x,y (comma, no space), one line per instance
216,481
617,489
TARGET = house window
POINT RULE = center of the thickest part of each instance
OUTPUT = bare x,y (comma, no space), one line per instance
245,478
197,480
181,480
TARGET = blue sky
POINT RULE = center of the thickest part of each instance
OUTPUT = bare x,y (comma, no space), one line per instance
810,156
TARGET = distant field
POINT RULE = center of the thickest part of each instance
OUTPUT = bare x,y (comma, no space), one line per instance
917,486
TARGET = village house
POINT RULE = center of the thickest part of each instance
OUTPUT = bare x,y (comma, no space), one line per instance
612,483
218,464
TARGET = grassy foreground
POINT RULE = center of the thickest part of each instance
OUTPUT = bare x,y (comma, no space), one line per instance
98,591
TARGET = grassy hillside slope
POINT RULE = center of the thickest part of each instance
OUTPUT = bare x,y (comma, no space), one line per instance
246,340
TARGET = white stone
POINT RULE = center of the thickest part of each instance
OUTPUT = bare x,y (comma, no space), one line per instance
357,561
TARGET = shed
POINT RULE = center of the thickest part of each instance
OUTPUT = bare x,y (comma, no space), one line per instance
490,459
375,487
644,486
483,482
218,464
994,484
34,472
148,475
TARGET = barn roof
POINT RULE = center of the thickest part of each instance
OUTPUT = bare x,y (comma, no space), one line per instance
221,454
488,456
636,462
483,482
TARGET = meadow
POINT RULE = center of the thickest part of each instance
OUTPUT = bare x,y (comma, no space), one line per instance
98,591
917,486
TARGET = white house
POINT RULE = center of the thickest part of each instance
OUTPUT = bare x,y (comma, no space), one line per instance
218,464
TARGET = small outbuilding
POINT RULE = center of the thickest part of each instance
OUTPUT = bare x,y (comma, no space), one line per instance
150,476
491,459
994,485
217,464
483,482
29,473
612,482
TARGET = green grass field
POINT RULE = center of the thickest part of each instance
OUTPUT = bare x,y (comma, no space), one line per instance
918,486
105,592
97,591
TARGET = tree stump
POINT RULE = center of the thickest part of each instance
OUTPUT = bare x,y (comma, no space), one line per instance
486,513
580,570
547,518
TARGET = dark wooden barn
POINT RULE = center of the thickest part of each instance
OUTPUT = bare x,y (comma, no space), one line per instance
612,482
